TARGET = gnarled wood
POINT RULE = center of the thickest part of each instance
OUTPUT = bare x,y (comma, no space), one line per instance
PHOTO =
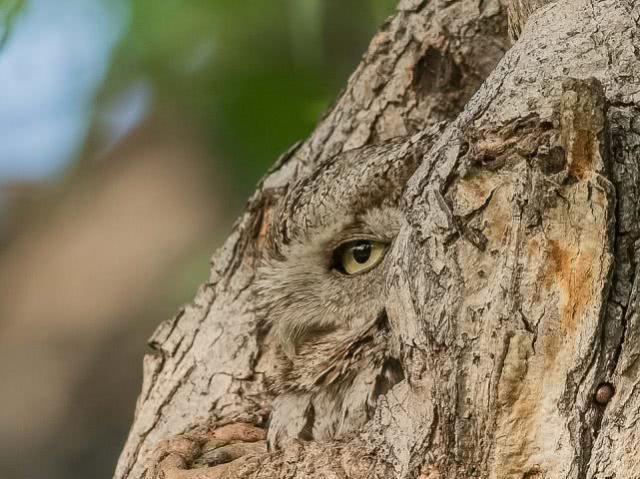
211,359
514,291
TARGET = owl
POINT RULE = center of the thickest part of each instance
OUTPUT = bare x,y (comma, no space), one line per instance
322,290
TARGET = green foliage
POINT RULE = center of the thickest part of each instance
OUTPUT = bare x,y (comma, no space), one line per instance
9,10
254,76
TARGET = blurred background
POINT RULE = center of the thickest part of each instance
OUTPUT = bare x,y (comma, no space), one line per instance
131,133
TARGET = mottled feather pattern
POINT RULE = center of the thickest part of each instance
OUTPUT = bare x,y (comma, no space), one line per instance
335,349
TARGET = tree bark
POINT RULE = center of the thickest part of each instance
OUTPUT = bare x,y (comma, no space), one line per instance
514,290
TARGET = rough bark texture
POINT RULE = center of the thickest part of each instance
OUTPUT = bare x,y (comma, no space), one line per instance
514,292
518,12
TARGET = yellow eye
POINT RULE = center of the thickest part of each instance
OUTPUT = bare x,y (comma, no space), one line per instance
358,256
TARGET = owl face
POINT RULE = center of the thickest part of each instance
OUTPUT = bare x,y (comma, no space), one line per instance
326,258
332,282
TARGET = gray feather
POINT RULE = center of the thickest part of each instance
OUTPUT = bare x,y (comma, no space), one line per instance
335,348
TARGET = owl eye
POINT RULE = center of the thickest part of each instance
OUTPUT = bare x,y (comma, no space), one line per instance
358,256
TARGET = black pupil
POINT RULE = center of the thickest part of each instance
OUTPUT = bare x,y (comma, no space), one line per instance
362,251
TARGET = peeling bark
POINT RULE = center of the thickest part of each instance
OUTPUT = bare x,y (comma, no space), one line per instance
514,292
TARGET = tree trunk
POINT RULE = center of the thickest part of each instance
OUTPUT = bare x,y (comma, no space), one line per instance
513,293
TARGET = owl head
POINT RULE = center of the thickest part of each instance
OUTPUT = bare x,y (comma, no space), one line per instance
326,249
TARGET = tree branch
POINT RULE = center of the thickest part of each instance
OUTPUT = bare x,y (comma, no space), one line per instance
211,360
